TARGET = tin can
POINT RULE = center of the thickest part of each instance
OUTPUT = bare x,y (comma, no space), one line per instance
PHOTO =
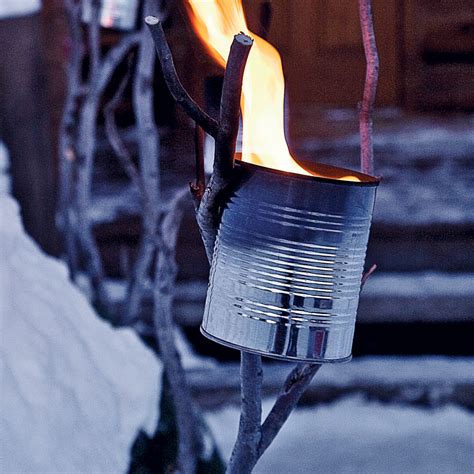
287,265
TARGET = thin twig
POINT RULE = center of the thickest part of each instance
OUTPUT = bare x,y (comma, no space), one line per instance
197,188
370,87
367,275
295,385
175,87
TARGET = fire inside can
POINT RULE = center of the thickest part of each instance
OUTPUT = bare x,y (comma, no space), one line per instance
287,265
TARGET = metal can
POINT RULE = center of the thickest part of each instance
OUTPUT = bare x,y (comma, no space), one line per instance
287,265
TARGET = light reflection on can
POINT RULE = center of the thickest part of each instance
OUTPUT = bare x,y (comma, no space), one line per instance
287,265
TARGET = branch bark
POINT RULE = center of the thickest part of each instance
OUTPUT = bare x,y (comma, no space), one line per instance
246,449
115,140
175,87
209,211
370,88
86,153
295,385
67,132
165,275
148,153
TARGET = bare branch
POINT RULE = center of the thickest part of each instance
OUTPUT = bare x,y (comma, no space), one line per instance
187,421
367,275
175,87
245,453
197,188
230,106
148,152
94,39
208,215
295,385
113,58
67,132
370,87
86,153
115,140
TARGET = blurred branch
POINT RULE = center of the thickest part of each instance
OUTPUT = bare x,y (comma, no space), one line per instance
366,107
86,145
113,136
67,132
148,153
189,445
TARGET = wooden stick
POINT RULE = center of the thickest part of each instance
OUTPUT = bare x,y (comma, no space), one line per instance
175,87
370,87
246,449
208,215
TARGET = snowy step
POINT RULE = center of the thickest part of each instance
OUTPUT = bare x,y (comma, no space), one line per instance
417,297
387,297
427,381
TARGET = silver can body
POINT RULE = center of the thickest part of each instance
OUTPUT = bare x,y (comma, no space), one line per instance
287,266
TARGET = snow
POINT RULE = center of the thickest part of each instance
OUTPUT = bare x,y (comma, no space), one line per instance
418,158
356,436
12,8
74,391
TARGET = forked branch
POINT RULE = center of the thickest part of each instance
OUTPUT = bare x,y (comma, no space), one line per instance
254,438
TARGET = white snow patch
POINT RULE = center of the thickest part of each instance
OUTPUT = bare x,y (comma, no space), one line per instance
356,436
74,391
13,8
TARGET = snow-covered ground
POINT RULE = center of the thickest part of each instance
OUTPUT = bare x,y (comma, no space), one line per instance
361,437
74,391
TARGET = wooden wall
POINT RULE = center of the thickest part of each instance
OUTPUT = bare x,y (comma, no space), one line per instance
321,47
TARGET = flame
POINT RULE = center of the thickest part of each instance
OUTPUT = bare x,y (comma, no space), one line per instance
263,91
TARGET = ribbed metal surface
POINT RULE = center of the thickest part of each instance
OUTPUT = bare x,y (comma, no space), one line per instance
287,265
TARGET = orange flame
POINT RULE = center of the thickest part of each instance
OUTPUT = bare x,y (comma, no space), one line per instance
263,141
